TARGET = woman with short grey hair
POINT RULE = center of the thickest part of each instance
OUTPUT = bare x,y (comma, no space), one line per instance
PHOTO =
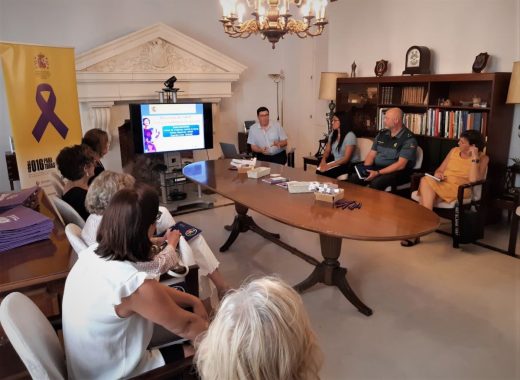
197,251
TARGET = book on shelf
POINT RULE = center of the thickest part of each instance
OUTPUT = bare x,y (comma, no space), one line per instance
412,95
451,123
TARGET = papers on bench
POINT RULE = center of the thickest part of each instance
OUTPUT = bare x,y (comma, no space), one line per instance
21,225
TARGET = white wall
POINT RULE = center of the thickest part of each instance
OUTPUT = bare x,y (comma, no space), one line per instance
454,30
361,30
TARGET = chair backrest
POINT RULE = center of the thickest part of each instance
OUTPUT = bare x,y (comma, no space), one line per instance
364,145
476,192
73,232
57,183
418,158
67,212
248,124
290,157
33,337
56,177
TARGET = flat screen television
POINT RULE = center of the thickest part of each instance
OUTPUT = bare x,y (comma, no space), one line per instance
171,127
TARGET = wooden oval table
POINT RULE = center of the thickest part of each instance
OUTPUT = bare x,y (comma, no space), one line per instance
382,216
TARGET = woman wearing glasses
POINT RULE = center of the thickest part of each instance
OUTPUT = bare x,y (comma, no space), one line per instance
341,149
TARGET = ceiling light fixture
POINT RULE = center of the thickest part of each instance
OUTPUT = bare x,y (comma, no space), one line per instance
272,18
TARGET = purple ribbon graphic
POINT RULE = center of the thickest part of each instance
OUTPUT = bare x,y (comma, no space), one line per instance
48,115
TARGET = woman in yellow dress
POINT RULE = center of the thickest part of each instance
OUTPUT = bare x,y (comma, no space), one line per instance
463,164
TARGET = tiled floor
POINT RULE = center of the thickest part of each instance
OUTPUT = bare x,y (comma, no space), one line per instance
439,313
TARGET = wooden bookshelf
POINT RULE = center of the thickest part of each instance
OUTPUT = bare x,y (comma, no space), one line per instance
421,96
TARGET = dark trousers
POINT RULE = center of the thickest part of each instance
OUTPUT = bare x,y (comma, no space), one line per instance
338,170
382,181
279,158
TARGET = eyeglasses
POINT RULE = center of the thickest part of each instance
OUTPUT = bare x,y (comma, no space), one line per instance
159,214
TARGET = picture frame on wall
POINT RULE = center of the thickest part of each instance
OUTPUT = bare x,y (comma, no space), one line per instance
480,62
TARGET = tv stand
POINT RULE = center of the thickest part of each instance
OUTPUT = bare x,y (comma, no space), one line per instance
195,199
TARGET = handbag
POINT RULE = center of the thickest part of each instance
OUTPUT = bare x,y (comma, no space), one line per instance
469,226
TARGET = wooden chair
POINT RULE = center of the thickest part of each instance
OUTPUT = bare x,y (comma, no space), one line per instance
290,157
513,234
455,210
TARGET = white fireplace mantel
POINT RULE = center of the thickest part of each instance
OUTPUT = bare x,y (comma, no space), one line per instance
134,67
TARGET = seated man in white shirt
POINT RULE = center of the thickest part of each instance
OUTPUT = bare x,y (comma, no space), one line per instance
268,139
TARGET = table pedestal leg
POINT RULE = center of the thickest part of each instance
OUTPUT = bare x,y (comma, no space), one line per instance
244,223
329,272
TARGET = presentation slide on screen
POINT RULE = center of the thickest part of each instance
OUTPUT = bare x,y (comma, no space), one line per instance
172,127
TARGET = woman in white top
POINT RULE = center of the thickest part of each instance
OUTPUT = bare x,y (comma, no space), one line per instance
110,306
341,150
197,251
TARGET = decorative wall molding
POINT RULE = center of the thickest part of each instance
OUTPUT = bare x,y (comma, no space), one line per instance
135,66
99,113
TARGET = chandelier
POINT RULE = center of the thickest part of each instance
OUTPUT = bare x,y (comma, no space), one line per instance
272,18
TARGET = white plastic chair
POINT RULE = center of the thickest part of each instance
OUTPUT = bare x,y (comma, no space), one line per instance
67,212
38,346
73,232
33,337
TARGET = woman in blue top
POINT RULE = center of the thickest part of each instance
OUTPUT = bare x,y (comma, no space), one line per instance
341,150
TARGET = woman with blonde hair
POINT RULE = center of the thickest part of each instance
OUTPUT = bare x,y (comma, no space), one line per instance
260,332
197,251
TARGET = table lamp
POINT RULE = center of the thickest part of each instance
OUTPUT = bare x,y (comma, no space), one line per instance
328,92
513,95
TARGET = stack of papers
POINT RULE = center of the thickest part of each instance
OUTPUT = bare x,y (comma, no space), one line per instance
243,163
274,180
21,225
12,199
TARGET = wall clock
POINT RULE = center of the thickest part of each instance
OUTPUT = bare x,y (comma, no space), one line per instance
417,60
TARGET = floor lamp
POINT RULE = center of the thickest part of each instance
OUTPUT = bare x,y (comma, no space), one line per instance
328,92
277,78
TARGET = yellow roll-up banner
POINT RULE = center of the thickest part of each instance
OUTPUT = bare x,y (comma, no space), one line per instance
42,97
